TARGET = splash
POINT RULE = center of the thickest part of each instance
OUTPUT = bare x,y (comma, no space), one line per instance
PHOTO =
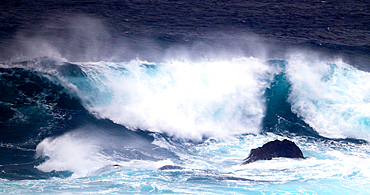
331,96
69,152
183,99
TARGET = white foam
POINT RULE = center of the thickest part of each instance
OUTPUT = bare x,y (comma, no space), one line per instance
70,152
332,97
325,160
181,98
331,166
90,151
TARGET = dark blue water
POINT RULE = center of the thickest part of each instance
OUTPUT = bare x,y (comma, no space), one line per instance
103,93
77,27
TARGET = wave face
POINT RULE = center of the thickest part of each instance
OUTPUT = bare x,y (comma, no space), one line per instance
332,97
314,97
120,121
33,107
39,107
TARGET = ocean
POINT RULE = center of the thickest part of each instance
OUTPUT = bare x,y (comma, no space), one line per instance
97,96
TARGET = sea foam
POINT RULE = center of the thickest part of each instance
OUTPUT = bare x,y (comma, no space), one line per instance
331,96
180,98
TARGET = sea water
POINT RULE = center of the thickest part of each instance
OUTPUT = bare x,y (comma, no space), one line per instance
96,97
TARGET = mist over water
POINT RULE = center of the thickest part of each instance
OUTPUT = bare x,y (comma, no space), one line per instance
80,38
74,37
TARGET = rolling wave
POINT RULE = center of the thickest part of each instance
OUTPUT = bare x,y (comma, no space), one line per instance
111,113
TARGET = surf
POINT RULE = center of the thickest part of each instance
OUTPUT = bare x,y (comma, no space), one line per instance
112,120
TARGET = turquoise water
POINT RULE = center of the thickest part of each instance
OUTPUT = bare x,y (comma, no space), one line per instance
214,168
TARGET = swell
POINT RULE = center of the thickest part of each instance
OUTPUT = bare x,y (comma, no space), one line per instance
32,108
36,105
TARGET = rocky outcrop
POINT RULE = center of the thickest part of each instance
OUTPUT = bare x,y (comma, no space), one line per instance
171,167
274,149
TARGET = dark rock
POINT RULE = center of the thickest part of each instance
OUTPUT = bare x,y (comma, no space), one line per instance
274,149
170,167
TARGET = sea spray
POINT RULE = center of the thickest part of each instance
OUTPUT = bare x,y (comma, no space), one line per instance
181,98
331,96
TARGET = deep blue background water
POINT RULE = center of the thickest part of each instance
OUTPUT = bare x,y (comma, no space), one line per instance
339,27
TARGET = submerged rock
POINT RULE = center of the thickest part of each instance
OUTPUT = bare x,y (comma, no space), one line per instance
170,167
274,149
